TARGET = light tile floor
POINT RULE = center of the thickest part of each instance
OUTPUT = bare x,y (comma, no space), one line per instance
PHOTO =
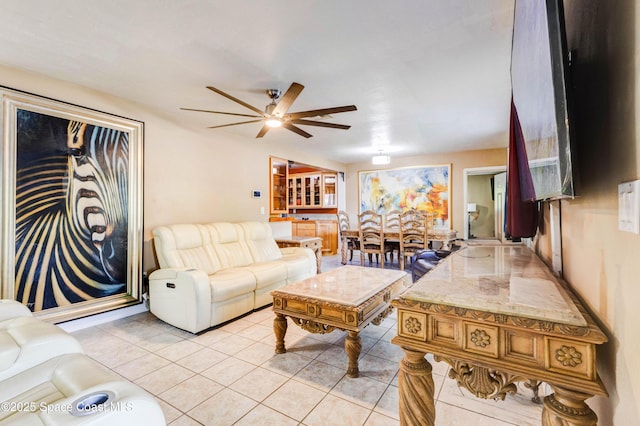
231,376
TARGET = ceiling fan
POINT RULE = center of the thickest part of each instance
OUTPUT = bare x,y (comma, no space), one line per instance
275,113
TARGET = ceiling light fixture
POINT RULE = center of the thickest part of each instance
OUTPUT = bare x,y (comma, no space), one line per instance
273,122
380,159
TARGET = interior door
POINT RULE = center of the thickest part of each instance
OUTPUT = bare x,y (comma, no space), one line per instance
499,196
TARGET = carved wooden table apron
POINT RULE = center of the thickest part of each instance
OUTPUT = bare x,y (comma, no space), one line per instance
445,237
347,298
313,243
497,316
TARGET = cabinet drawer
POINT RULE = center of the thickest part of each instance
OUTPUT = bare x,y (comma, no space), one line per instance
481,339
306,233
312,245
305,229
570,357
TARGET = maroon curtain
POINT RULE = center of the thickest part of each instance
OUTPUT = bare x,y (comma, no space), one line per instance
522,210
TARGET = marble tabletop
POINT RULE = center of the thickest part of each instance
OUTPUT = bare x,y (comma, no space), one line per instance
348,285
509,280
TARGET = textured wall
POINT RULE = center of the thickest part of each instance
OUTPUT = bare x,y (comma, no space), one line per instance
600,262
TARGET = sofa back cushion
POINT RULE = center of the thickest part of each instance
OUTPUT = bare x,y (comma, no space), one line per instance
185,246
259,237
229,245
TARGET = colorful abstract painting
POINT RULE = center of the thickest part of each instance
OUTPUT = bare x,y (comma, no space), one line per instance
425,188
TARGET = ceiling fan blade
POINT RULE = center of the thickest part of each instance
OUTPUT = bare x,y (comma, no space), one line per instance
287,99
297,130
235,124
320,124
220,112
244,104
263,131
319,112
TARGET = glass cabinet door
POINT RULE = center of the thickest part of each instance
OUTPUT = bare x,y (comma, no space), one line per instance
312,190
279,192
329,190
295,184
308,191
317,192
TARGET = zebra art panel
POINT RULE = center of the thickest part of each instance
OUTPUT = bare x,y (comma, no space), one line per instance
71,207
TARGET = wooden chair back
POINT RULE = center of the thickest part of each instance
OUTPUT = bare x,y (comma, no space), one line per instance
392,219
371,235
344,224
413,235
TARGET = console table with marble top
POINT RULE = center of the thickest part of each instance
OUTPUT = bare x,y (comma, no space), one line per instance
497,316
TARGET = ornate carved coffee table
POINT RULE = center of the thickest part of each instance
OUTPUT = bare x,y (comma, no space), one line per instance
348,298
497,316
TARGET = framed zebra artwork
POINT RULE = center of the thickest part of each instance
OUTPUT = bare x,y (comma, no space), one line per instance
71,212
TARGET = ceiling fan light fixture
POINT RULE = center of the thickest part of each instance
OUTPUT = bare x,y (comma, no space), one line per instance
276,114
273,122
380,159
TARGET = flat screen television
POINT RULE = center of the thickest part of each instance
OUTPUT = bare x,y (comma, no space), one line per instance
540,85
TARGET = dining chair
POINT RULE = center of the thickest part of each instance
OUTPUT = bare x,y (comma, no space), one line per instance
413,235
392,223
371,236
344,224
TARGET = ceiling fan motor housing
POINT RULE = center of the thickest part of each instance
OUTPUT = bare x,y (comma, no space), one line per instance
274,94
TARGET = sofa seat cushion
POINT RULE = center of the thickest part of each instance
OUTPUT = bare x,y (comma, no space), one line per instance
267,273
229,283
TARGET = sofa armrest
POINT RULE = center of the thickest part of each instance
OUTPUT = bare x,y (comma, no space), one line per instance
181,297
298,251
13,309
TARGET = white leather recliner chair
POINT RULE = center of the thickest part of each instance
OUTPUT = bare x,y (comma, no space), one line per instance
74,389
45,379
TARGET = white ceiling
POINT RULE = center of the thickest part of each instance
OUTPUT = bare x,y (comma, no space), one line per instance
427,76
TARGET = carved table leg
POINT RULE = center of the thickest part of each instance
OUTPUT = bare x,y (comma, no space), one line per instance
353,346
280,329
416,390
566,407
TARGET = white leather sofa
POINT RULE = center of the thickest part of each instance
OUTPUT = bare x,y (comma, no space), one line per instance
211,273
46,379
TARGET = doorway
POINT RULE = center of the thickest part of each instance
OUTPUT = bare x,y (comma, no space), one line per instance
484,203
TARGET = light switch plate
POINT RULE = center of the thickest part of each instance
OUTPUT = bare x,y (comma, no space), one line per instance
629,206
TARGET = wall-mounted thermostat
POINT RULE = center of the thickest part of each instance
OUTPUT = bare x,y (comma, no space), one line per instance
256,193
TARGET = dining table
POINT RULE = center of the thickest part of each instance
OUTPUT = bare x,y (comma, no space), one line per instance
444,236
